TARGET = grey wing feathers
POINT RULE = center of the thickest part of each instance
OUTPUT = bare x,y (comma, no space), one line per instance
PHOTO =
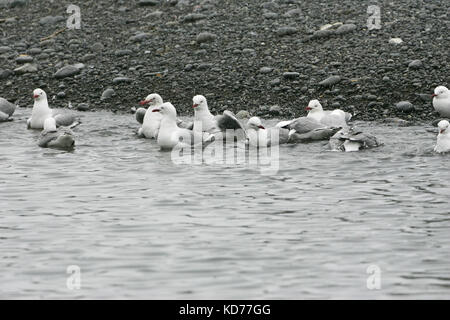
46,138
64,120
140,114
305,125
228,121
185,125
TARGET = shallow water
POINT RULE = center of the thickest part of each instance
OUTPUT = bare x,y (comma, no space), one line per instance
140,226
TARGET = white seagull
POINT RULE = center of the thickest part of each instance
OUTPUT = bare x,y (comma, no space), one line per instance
212,124
259,136
441,101
443,138
150,120
335,118
42,112
170,135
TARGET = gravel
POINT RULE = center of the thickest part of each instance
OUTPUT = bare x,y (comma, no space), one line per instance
237,54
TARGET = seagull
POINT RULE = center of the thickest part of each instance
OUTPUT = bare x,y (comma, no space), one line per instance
305,129
51,137
6,110
443,138
349,140
170,135
259,136
441,101
335,118
150,120
204,121
41,112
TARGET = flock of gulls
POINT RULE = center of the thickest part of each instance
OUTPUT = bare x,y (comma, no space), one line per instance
159,121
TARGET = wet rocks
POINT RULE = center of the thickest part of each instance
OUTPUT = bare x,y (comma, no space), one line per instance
4,49
345,28
107,94
26,68
193,17
291,75
265,70
404,106
67,71
51,20
330,81
144,3
415,64
123,52
139,37
119,80
205,37
24,59
4,74
83,107
286,31
395,41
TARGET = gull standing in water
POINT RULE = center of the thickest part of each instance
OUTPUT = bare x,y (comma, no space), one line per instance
443,138
41,112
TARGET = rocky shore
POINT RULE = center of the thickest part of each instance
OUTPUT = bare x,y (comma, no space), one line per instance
267,57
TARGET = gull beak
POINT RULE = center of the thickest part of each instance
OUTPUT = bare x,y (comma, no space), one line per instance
35,96
442,131
195,105
143,103
308,108
434,95
156,110
261,127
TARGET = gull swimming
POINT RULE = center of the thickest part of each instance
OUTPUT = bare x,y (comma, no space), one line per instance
443,138
306,129
335,118
41,112
51,137
441,101
206,122
170,135
259,136
151,121
7,109
353,140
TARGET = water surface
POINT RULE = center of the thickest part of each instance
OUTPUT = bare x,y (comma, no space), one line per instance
140,226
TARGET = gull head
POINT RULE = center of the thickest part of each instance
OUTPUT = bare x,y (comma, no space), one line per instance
314,105
167,110
441,92
153,99
50,125
39,94
199,103
255,123
443,126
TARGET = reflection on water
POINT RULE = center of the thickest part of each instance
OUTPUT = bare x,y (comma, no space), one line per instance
139,225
